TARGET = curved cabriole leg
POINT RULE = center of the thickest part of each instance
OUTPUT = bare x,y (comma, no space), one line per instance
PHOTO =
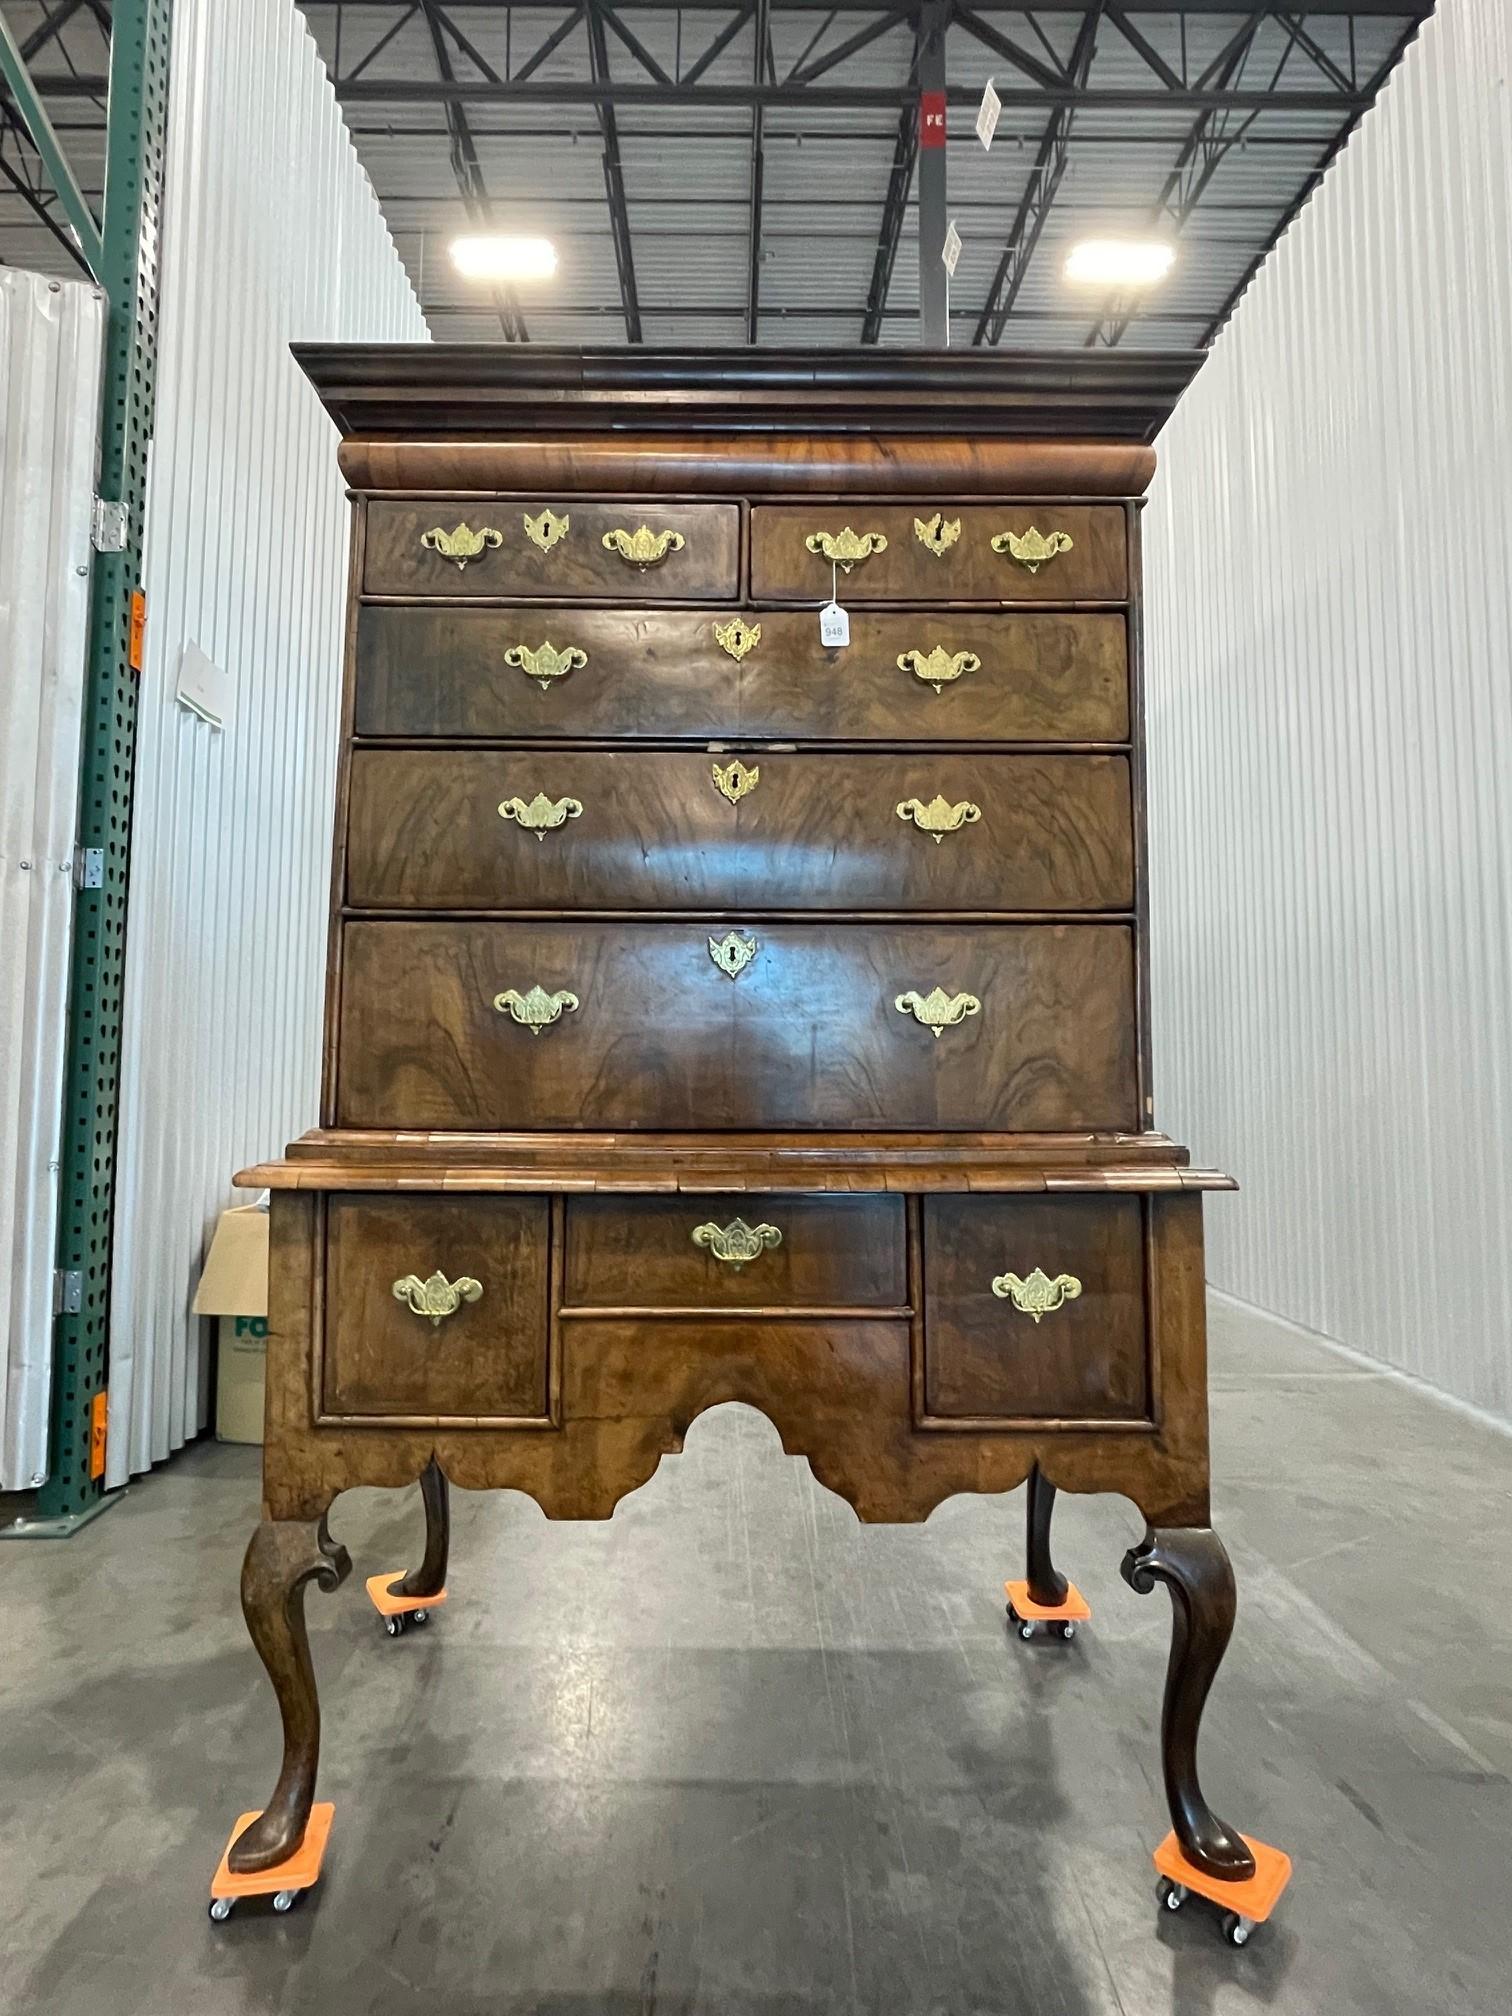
429,1579
283,1556
1046,1587
1193,1565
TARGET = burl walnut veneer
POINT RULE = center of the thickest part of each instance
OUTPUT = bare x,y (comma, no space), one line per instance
717,1014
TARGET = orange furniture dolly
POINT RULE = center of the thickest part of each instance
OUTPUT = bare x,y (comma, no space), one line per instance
287,1881
398,1611
1059,1620
1243,1905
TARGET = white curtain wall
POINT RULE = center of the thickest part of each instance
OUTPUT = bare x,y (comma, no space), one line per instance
271,234
1329,547
51,340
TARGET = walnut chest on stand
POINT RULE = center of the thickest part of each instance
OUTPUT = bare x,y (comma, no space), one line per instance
718,1011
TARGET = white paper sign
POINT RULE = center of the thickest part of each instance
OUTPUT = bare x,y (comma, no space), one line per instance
987,114
203,687
952,251
834,626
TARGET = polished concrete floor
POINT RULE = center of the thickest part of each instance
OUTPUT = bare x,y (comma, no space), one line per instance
731,1753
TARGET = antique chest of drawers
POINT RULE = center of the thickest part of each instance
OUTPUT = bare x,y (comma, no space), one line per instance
719,1011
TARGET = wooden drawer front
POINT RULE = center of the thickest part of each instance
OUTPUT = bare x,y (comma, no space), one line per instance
662,674
1090,562
985,1357
653,829
700,559
807,1035
742,1251
486,1356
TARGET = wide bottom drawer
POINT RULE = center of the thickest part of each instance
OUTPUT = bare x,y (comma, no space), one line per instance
473,1025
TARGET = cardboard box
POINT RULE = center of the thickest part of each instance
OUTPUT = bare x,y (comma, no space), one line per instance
234,1287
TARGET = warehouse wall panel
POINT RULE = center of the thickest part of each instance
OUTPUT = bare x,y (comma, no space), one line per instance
1330,626
271,234
51,341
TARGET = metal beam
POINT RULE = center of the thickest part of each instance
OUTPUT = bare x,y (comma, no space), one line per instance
934,281
33,116
805,70
43,212
139,65
859,97
762,66
614,173
1204,139
399,23
1373,85
419,91
1050,163
633,43
46,30
1417,10
553,42
990,38
717,47
469,172
895,203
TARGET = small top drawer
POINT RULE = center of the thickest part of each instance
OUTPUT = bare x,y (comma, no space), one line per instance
638,551
974,553
735,1252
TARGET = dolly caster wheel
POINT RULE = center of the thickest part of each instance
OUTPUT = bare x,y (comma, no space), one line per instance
419,1616
1172,1895
221,1909
1235,1929
394,1626
1064,1631
285,1900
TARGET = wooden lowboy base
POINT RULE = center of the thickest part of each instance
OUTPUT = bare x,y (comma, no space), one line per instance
846,1383
848,1388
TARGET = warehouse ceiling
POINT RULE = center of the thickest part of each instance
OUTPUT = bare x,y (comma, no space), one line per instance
720,174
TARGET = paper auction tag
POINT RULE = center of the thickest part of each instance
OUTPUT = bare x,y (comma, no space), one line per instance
834,626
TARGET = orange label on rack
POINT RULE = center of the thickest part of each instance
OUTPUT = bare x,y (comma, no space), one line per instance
138,625
99,1418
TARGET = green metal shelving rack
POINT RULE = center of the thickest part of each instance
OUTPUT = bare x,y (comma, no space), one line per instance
130,234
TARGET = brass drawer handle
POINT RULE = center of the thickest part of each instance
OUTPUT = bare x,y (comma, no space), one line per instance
1032,549
545,663
737,637
735,781
541,813
939,667
437,1298
461,544
643,547
939,817
736,1243
535,1010
938,1010
1037,1295
939,533
548,530
846,548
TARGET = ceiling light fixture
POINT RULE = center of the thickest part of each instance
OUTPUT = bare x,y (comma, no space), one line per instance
1120,262
500,258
